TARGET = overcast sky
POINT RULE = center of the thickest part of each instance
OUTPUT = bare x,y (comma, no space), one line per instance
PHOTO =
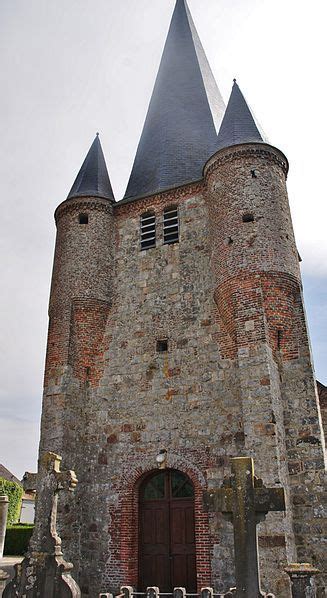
70,68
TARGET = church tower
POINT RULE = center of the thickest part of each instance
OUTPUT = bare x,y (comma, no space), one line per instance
177,340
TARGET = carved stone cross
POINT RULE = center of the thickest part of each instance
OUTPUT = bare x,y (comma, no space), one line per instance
48,483
245,501
44,572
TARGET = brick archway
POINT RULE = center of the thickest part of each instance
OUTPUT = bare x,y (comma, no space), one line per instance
167,555
127,513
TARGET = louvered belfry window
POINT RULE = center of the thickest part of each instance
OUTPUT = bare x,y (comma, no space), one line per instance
171,225
148,230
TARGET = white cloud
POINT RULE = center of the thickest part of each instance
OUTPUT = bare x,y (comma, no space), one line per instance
66,73
18,445
314,256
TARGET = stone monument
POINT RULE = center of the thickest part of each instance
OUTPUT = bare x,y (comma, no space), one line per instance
44,573
4,502
245,501
302,582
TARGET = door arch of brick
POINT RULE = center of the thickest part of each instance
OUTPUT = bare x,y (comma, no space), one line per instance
167,532
125,523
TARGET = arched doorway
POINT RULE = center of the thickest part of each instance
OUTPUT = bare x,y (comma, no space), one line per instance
167,535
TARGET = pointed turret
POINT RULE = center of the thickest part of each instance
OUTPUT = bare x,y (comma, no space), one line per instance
239,124
185,112
93,179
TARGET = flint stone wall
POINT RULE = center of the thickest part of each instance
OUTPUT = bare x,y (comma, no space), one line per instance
223,389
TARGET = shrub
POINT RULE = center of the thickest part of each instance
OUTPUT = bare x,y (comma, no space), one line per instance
14,492
17,539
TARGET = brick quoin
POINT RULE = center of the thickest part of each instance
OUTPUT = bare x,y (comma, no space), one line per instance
88,323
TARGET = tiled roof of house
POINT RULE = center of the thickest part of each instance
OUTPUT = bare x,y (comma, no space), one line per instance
7,475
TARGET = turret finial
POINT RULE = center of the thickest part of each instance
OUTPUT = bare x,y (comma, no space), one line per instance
239,125
93,179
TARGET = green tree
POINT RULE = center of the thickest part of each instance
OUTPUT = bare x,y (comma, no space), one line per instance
14,492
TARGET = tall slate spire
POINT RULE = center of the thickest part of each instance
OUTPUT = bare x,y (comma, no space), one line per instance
185,112
239,124
93,179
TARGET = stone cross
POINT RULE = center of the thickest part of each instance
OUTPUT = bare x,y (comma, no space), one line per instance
245,501
44,572
48,483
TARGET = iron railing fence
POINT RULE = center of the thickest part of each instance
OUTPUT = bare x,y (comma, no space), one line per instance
154,592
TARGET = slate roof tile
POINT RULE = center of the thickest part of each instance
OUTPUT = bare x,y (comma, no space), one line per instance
93,179
239,124
185,112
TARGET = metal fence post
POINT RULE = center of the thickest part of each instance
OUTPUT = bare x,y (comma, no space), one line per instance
127,591
206,593
152,592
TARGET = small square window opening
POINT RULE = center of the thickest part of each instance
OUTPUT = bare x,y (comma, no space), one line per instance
83,218
248,218
162,346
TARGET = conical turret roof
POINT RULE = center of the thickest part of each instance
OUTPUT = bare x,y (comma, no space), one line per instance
185,112
93,179
239,124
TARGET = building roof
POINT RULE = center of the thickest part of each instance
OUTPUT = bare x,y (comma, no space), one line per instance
322,392
185,112
7,475
29,496
239,124
93,179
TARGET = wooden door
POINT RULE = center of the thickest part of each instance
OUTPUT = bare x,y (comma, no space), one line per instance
167,538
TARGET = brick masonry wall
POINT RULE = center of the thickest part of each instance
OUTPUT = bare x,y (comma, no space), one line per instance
111,401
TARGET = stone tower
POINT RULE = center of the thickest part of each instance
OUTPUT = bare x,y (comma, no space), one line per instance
177,337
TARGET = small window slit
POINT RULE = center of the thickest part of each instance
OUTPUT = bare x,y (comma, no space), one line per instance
248,218
162,346
83,218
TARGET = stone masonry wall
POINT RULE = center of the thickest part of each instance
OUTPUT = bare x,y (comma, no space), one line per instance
179,400
257,277
226,298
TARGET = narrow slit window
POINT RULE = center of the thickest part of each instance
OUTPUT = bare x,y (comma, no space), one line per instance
83,219
171,225
148,231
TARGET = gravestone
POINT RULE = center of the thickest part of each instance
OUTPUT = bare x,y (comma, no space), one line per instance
44,573
245,501
3,578
302,580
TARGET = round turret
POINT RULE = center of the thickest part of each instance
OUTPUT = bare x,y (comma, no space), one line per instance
254,255
81,289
